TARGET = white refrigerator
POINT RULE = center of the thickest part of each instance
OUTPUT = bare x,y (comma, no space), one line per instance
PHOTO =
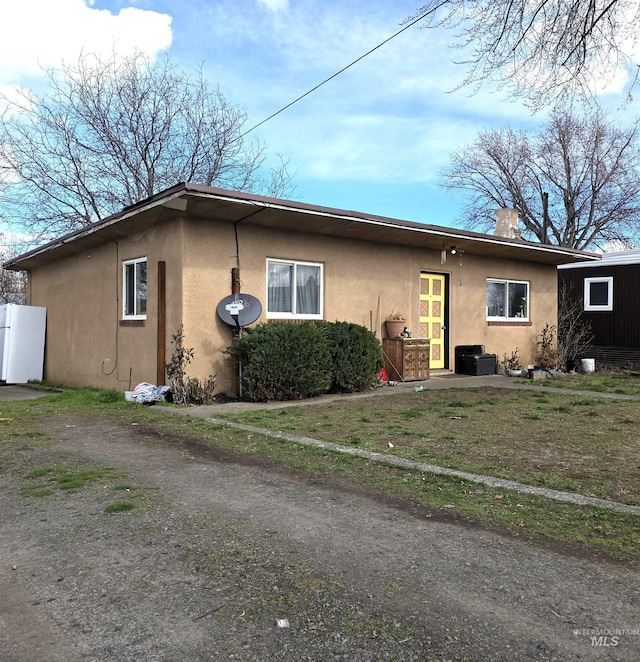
22,333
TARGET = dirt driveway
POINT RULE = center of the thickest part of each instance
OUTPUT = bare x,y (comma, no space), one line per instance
219,549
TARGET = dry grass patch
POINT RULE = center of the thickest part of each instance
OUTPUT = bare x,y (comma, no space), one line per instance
583,444
619,381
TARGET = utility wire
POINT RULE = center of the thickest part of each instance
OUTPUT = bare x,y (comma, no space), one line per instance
326,80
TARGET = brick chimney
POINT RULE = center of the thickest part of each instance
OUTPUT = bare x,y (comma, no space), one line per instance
507,223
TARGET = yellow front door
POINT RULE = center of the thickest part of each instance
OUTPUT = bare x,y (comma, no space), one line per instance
432,311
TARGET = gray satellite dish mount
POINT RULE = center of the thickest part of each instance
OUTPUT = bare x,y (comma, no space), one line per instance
239,310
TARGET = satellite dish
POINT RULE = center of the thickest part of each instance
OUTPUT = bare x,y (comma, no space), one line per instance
239,309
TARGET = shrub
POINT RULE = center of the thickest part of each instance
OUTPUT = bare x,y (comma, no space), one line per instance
547,354
511,362
282,361
187,390
356,354
575,335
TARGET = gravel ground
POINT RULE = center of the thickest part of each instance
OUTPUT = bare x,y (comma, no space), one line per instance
219,549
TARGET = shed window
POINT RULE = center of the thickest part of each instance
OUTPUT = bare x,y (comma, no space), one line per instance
598,293
507,300
134,283
294,290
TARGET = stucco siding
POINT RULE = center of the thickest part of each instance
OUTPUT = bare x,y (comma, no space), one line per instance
88,344
81,314
209,256
469,307
363,283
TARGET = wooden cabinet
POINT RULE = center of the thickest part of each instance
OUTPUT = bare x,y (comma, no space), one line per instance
406,359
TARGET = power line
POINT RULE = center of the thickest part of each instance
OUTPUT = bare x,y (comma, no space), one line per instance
326,80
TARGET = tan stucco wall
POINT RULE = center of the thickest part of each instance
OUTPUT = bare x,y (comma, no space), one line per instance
363,283
468,325
209,250
85,344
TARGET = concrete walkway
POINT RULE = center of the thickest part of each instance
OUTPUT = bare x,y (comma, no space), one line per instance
438,381
13,392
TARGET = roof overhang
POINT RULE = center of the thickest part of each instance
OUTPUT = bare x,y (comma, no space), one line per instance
206,203
613,259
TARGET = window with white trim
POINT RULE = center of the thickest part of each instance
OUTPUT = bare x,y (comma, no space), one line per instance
507,300
294,289
134,284
598,293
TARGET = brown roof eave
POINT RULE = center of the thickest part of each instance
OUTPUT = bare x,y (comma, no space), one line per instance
298,216
19,262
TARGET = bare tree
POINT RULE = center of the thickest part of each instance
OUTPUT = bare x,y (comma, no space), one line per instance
13,284
575,183
575,336
540,49
109,133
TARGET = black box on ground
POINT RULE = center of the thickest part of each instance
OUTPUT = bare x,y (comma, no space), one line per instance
464,350
479,364
473,360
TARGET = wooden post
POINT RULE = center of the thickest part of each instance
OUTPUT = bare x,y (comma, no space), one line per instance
235,280
162,323
235,374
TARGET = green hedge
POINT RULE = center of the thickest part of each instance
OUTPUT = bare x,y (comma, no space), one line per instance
356,354
282,361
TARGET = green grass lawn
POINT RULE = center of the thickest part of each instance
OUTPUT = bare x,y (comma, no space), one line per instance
625,382
577,443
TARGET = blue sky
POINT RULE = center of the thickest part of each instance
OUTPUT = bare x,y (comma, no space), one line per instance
374,139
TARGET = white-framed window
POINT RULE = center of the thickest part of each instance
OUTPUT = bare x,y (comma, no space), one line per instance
598,293
134,286
294,289
507,300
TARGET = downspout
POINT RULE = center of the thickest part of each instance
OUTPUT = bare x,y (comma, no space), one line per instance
236,283
161,323
235,232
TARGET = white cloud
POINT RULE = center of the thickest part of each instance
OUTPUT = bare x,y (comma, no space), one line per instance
387,119
371,148
13,243
42,33
275,5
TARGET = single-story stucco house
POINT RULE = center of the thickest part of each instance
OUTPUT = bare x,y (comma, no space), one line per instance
118,290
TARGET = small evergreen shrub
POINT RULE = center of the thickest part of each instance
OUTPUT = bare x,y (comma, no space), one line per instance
282,361
356,354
